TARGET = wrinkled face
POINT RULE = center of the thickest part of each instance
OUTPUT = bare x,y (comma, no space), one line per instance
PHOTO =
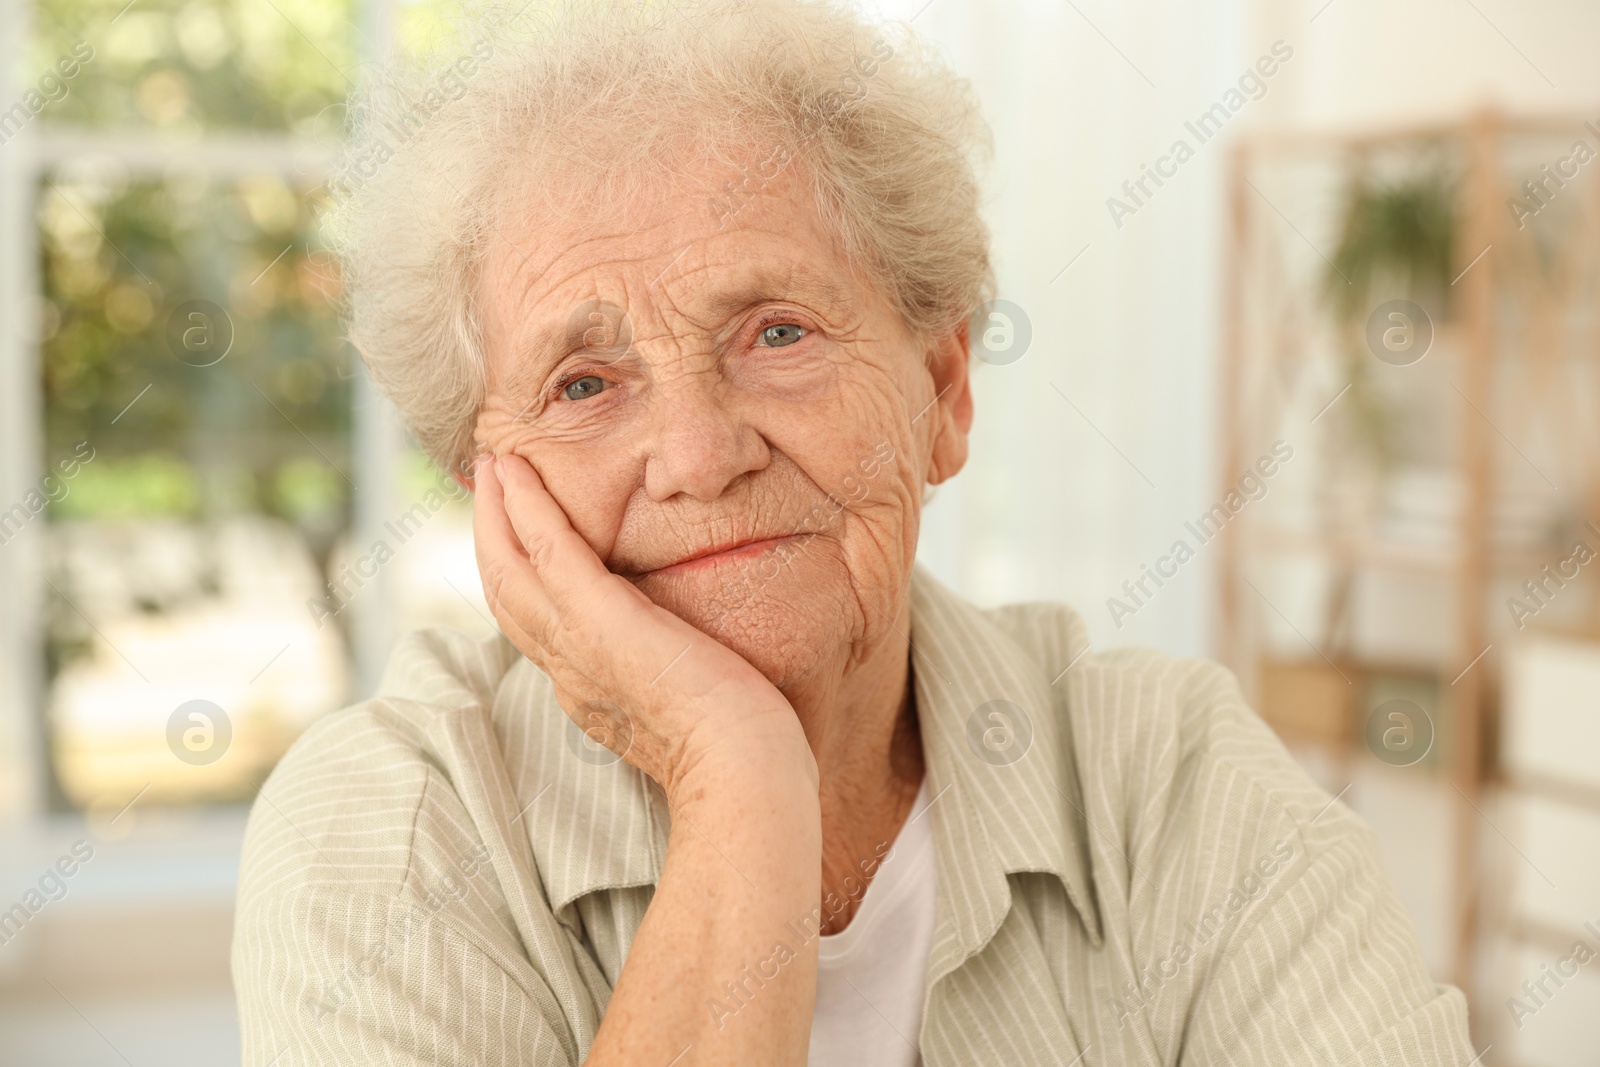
731,418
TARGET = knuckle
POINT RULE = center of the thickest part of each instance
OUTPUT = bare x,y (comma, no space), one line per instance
545,631
493,573
541,553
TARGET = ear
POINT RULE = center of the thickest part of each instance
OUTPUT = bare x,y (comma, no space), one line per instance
953,387
466,474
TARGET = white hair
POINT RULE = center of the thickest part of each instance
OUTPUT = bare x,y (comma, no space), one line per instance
598,96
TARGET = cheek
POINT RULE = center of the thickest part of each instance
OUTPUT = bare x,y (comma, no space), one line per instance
834,429
840,450
592,486
857,451
810,375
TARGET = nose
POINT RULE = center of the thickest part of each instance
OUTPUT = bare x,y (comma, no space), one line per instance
703,444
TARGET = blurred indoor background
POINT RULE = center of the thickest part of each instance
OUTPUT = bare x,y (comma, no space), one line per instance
1342,347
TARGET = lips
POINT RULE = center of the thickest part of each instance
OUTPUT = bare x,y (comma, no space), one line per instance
729,552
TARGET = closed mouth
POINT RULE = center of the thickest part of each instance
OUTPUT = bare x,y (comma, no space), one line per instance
747,548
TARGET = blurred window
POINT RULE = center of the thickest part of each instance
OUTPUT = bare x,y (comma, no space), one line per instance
193,375
195,554
189,66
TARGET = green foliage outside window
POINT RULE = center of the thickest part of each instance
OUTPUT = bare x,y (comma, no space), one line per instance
190,65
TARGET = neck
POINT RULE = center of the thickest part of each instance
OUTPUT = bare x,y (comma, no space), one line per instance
861,720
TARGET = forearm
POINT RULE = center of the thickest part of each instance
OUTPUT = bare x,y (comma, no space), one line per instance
715,975
744,859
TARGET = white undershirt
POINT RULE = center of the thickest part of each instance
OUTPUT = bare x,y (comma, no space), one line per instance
870,975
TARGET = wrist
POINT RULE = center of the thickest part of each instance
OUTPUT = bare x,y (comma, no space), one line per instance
743,767
763,818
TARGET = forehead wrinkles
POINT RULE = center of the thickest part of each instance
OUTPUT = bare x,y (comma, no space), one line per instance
697,294
669,281
708,293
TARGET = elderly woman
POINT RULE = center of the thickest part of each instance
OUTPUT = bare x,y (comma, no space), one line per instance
685,296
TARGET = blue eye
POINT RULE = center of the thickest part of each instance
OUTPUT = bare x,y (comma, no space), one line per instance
583,388
781,334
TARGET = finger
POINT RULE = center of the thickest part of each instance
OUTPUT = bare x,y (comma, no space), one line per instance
545,574
491,526
563,560
575,579
510,585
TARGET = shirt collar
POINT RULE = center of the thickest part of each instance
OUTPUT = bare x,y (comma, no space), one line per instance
1000,759
1002,778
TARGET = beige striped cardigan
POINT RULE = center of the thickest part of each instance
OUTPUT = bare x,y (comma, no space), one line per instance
1131,870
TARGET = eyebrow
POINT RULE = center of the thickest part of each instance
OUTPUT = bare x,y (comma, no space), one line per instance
801,284
551,342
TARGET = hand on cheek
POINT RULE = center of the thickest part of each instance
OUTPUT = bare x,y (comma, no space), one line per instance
607,648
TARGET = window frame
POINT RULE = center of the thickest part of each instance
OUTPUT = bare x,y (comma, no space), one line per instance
28,785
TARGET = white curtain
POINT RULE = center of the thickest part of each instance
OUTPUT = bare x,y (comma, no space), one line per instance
1091,451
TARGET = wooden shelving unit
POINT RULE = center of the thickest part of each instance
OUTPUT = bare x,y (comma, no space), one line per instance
1517,337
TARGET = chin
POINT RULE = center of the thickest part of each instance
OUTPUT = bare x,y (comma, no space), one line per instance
787,617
